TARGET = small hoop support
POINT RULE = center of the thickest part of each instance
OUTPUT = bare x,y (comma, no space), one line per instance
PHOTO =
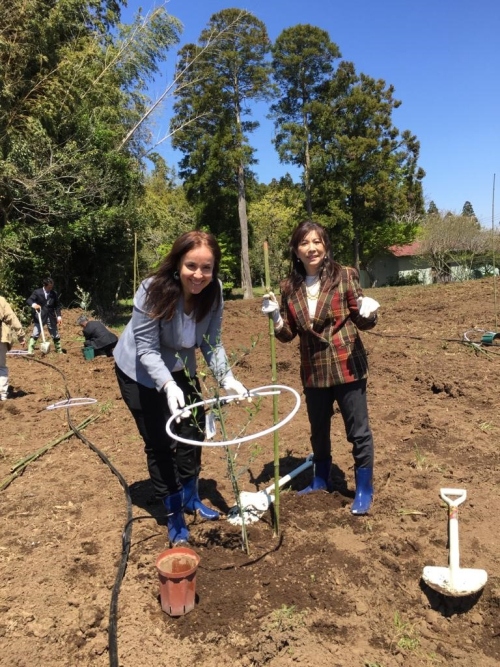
72,403
266,390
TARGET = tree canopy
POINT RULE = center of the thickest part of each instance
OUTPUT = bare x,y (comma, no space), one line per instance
77,187
72,80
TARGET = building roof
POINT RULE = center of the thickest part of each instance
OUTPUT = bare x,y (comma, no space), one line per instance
406,250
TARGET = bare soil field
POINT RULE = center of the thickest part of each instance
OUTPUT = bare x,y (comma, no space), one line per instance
332,589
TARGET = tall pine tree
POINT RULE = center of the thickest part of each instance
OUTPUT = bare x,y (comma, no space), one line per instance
303,60
218,87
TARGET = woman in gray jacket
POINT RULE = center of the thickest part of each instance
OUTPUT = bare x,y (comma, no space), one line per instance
176,310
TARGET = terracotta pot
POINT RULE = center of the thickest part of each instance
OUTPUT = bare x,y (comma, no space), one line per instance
177,572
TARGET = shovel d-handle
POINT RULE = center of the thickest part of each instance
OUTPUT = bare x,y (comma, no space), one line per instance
459,495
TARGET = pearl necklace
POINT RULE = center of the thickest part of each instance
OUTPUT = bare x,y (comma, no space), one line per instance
313,289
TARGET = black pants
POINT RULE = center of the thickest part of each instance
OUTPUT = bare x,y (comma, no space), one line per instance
169,462
351,399
107,350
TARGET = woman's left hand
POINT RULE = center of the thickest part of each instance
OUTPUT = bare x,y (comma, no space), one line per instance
367,306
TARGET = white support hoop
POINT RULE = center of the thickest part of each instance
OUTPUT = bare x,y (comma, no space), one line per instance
72,403
266,390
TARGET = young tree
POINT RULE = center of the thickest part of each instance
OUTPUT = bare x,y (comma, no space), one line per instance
303,60
217,89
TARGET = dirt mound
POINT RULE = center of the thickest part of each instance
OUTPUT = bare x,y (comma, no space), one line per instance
332,589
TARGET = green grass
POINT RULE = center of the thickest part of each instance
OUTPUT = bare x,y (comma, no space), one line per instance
406,636
287,618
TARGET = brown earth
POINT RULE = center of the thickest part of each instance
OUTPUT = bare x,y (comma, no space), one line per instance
333,589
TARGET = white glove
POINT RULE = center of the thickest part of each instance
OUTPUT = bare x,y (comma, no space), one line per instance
270,306
367,306
232,387
175,400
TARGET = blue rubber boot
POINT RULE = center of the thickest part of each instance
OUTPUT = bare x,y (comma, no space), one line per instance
193,503
364,490
321,478
177,530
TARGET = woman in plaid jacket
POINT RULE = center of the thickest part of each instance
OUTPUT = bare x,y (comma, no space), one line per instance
323,304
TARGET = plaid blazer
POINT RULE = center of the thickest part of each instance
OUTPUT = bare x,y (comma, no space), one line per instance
331,351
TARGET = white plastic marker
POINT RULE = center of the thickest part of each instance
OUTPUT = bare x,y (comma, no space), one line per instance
454,580
267,390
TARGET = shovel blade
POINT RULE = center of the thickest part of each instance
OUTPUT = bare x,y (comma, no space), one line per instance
259,501
465,581
45,348
253,505
250,516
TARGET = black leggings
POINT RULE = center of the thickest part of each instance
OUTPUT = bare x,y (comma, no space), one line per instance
169,462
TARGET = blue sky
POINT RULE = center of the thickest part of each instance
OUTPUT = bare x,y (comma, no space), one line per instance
442,57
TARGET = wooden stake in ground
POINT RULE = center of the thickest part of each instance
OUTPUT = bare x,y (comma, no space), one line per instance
274,376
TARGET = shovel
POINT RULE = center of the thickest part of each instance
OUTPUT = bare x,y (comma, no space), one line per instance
255,504
454,580
44,346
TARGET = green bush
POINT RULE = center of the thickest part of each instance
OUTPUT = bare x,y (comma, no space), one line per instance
400,281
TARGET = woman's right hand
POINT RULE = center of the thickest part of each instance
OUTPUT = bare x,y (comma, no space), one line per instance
270,306
176,400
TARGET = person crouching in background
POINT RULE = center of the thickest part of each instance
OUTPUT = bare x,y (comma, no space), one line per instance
97,336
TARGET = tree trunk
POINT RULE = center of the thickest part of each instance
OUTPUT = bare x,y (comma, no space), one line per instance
307,169
355,251
246,278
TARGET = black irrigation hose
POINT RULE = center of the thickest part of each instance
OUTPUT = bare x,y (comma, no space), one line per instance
127,532
479,346
126,540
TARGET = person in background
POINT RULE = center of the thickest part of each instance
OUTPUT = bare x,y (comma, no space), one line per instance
323,304
45,300
97,336
176,310
8,323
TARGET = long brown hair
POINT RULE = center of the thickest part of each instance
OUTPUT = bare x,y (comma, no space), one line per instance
165,288
330,270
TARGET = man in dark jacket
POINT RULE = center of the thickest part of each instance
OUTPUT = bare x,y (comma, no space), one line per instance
45,300
97,336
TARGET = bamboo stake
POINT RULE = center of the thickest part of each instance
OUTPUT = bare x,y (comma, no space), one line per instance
274,376
20,465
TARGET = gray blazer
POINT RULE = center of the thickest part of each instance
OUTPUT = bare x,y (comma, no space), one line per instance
148,349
